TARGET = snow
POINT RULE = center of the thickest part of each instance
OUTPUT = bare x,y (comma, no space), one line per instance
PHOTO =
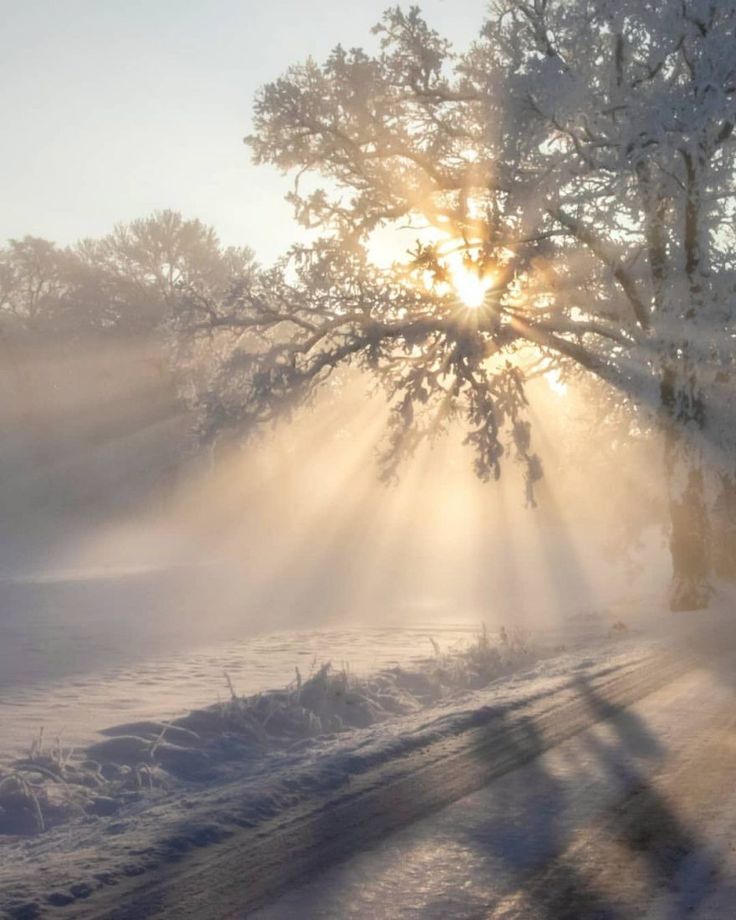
232,779
244,788
490,853
153,684
83,650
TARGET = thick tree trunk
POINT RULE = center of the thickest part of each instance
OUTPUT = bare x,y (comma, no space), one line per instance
723,529
690,534
690,546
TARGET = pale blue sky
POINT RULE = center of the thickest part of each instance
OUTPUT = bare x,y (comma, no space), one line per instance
114,108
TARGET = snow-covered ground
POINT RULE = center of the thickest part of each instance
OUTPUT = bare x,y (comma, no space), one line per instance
256,799
81,651
634,817
194,817
169,685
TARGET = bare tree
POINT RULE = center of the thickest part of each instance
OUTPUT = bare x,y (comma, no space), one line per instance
127,282
139,272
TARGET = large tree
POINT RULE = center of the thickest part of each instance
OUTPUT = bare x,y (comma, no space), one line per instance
569,182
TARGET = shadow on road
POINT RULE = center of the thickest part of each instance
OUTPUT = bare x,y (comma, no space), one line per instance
589,831
593,838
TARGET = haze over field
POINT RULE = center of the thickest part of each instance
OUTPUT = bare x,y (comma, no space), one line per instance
366,390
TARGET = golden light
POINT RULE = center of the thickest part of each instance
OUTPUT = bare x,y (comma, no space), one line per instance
469,283
463,275
555,382
452,261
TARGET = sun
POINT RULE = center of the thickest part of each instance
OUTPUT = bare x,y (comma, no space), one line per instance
468,278
470,285
458,268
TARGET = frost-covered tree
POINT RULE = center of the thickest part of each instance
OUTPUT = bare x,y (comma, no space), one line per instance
125,283
32,283
569,182
135,275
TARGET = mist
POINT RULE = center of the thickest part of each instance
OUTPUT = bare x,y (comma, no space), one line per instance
367,479
146,536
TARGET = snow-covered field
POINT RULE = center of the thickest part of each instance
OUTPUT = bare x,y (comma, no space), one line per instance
170,685
261,792
83,651
165,779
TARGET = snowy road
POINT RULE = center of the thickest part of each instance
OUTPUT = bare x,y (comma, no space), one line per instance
635,817
584,788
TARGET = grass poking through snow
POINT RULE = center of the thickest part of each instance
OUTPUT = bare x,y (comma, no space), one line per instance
54,784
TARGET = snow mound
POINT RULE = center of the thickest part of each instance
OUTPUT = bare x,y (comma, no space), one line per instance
52,785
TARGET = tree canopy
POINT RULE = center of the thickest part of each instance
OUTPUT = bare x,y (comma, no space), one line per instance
567,184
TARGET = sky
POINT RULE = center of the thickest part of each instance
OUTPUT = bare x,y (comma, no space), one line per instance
115,108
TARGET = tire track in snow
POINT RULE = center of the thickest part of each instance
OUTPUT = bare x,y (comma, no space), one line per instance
232,878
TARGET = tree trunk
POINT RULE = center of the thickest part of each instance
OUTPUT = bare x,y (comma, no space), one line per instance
690,546
723,529
690,535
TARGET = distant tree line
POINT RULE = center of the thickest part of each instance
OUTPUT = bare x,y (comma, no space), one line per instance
126,284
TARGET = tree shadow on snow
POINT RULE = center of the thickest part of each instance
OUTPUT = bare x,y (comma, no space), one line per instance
572,831
588,835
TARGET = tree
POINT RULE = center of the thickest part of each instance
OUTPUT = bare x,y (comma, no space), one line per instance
126,283
569,181
137,274
32,282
